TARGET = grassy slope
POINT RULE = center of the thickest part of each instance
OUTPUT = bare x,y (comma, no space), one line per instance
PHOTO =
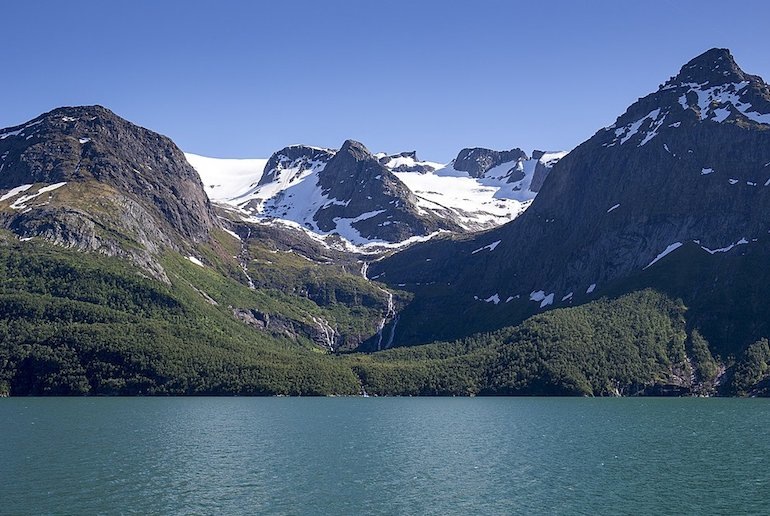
75,323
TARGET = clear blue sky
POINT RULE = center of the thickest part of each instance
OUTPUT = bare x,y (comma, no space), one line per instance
243,79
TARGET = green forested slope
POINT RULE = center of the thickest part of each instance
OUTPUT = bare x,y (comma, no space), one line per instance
73,323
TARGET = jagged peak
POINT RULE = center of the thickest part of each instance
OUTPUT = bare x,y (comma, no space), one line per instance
303,157
710,88
477,160
406,154
355,149
713,67
717,62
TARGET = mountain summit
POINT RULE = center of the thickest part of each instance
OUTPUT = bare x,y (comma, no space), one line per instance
710,87
687,166
86,178
715,66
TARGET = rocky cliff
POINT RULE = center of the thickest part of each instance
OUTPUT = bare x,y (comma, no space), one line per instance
86,178
687,165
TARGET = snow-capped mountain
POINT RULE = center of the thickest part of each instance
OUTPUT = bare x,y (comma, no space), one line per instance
684,172
297,186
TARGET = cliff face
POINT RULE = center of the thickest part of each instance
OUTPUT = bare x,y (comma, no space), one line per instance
688,165
84,177
378,204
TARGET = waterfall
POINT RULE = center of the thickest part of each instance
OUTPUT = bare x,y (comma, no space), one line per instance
243,260
330,336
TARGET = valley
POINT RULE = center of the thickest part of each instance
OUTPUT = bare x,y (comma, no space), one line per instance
632,265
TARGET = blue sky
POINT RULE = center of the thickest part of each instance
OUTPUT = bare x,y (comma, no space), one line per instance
243,79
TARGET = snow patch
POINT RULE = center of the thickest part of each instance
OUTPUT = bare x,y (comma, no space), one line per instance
493,299
195,261
13,192
20,203
706,171
540,296
742,241
615,207
625,133
402,163
671,248
224,179
491,247
232,233
591,288
714,103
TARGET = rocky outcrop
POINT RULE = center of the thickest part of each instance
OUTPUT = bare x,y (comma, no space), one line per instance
92,143
318,331
298,158
477,161
407,162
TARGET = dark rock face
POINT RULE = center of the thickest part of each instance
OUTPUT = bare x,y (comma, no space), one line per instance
421,168
688,163
368,191
542,169
129,191
477,161
301,157
77,144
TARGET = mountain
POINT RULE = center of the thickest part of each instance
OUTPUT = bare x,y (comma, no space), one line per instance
86,178
685,169
346,192
117,276
300,184
639,267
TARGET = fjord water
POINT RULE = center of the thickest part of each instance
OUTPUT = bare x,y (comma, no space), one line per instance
383,455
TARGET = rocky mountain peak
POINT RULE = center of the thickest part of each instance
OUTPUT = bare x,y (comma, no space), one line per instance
476,161
299,158
715,66
355,150
375,202
687,166
407,162
85,143
710,88
353,167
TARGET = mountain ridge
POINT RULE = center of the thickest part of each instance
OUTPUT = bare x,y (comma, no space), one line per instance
638,268
289,188
661,175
